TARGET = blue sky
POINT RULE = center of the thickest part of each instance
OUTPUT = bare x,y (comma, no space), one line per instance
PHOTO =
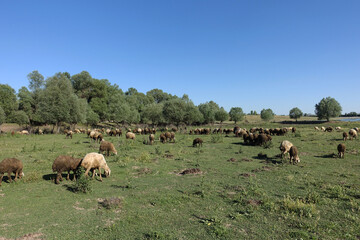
250,54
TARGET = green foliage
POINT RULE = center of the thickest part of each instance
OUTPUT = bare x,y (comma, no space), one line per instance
83,183
2,116
18,117
36,80
216,138
153,113
193,114
8,100
295,113
327,108
236,114
174,111
208,110
299,207
221,115
267,114
158,95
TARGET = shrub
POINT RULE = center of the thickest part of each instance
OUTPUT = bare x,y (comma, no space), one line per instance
299,207
82,184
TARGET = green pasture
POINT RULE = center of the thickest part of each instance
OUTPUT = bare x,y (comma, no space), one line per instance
255,195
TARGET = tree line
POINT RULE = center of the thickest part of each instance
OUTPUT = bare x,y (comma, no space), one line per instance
80,98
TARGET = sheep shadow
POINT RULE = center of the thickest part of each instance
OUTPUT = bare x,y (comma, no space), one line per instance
265,159
332,155
123,186
50,177
240,143
7,178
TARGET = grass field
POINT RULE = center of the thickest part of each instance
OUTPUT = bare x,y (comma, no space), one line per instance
251,197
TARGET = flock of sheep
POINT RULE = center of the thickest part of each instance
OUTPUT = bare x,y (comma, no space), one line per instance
93,161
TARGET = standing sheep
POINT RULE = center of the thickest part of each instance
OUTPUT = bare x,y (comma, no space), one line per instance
65,164
345,136
352,134
285,147
108,147
197,142
151,139
11,165
341,150
294,155
95,161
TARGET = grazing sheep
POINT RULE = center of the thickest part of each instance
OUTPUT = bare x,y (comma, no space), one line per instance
24,132
262,139
65,164
95,161
338,128
108,147
317,128
285,147
69,134
168,136
197,142
130,135
353,134
11,165
162,138
329,129
172,136
294,155
293,129
341,150
151,139
345,136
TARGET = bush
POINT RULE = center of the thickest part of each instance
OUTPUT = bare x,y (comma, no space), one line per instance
83,183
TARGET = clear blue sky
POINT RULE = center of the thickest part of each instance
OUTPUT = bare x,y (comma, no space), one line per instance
252,54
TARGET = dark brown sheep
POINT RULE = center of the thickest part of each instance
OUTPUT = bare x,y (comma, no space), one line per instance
341,150
294,155
11,165
162,138
197,142
65,163
345,136
329,129
108,147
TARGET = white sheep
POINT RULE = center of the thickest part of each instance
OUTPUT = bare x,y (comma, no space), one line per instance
317,128
352,134
285,147
95,161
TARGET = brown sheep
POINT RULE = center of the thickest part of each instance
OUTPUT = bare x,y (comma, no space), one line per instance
285,147
151,139
197,142
345,136
168,136
294,155
108,147
130,135
172,136
69,134
329,129
65,164
162,138
293,129
341,150
11,165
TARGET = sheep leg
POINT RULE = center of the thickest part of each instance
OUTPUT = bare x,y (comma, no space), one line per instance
99,173
16,176
9,176
58,177
68,176
1,177
74,179
93,173
87,172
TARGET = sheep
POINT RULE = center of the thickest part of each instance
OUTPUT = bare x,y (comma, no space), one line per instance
95,161
65,163
341,150
24,132
69,134
329,129
285,147
162,138
294,155
323,129
317,128
11,165
353,134
108,147
262,139
172,136
130,135
338,128
197,142
293,129
345,136
151,139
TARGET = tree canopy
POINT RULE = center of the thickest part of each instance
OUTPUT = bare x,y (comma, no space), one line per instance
267,114
327,108
236,114
295,113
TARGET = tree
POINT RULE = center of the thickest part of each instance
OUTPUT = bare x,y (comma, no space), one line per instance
19,117
193,114
295,113
8,100
327,108
2,116
208,110
153,113
92,118
36,80
174,111
236,114
267,114
158,95
221,115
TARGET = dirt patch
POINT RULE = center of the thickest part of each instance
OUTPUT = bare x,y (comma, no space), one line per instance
246,160
247,175
254,202
232,160
142,171
264,168
29,236
169,155
110,203
191,171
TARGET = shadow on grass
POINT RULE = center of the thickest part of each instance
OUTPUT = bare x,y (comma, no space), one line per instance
241,143
274,160
50,177
332,155
123,186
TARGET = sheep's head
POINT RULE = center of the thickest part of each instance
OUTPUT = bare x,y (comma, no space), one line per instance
107,171
115,152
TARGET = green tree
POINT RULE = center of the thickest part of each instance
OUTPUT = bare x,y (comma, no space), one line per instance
158,95
267,114
92,118
19,117
36,81
2,116
193,114
83,85
174,111
8,100
153,113
221,115
295,113
208,110
327,108
236,114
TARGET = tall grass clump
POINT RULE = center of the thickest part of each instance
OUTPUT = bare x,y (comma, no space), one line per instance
83,183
